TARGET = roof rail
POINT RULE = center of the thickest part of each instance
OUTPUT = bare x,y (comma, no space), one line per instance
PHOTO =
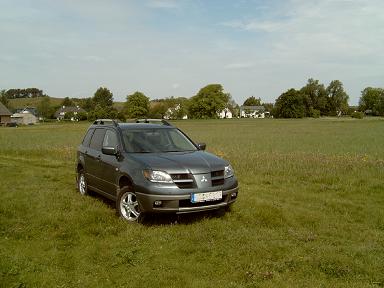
162,121
106,121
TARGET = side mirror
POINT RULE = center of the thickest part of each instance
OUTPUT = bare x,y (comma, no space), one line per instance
108,150
201,146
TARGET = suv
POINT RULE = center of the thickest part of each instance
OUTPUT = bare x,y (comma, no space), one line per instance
152,167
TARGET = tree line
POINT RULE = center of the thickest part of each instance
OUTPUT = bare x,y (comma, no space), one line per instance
24,93
312,100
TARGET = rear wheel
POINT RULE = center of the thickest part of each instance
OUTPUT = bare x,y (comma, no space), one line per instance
127,205
82,183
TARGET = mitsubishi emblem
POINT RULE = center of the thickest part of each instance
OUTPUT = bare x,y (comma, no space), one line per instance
204,179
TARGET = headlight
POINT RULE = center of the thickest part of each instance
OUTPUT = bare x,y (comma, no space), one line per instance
228,171
157,176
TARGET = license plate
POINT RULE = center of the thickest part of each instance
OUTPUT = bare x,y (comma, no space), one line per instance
207,196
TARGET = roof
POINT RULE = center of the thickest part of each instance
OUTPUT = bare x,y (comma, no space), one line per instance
22,114
258,108
4,111
66,109
32,110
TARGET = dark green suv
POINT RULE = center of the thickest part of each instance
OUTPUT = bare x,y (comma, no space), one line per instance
152,167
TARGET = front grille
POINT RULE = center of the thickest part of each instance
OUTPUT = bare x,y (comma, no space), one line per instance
217,177
217,182
217,173
188,203
183,180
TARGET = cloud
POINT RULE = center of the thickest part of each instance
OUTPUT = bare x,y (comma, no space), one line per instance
163,4
239,66
254,25
87,58
175,85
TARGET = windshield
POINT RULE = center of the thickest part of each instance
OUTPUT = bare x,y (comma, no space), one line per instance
156,140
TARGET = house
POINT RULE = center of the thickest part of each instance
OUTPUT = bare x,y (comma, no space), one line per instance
60,114
172,113
24,118
225,113
33,110
5,115
252,112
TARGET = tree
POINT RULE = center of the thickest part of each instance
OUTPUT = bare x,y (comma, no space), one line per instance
67,102
268,107
102,105
86,104
158,108
337,98
102,113
232,106
208,102
252,101
137,105
24,93
69,116
372,99
81,116
103,97
4,98
315,97
44,108
290,104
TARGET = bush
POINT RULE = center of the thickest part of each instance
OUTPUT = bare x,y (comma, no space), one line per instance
315,113
357,115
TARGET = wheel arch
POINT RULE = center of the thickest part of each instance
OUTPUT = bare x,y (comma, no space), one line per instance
125,180
79,167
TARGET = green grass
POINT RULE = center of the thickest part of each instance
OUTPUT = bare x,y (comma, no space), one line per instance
309,214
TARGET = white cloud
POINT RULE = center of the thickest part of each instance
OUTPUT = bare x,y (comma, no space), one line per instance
254,25
175,85
239,66
164,4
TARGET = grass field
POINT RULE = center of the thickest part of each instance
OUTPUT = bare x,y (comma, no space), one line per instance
310,212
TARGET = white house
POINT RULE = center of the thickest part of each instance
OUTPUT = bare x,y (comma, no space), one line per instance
252,112
24,118
225,113
60,114
172,111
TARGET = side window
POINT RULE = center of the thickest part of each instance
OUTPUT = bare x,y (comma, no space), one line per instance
87,138
110,139
97,139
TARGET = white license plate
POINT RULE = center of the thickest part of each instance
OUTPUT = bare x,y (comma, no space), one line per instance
207,196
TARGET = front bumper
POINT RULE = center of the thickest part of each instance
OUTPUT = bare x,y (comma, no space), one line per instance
181,203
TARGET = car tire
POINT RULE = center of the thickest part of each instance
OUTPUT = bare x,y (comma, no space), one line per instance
82,185
127,205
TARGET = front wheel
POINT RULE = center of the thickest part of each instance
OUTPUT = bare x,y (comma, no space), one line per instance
127,205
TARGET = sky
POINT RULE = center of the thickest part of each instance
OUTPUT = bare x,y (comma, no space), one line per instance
169,48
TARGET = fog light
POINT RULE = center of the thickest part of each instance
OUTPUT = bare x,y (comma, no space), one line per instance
157,203
233,195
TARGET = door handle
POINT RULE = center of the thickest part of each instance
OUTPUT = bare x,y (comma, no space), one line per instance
98,157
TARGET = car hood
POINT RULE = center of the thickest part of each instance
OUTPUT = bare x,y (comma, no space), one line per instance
195,162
